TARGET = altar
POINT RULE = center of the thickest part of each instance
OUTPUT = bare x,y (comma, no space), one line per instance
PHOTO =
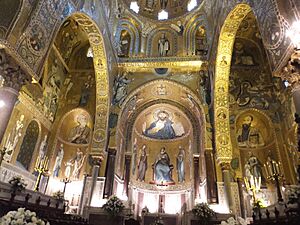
161,199
167,219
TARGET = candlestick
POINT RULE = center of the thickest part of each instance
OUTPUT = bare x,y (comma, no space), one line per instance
41,167
274,174
252,185
66,180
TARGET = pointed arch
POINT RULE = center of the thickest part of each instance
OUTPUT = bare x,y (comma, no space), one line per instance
95,37
191,30
221,85
127,25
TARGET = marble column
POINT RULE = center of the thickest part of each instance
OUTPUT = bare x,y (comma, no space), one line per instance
127,174
212,190
12,79
96,163
242,203
227,184
8,98
196,176
81,206
110,172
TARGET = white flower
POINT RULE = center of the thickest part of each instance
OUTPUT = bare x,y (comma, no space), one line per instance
21,217
34,219
19,221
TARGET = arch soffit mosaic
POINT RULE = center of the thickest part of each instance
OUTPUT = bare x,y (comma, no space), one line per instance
102,80
223,63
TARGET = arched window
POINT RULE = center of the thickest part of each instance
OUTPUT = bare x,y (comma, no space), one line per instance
192,4
163,15
28,145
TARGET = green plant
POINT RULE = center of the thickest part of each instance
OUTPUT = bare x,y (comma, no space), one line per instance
203,212
18,183
58,195
292,194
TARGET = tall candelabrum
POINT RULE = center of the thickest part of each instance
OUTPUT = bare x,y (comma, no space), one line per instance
273,172
66,181
252,185
41,167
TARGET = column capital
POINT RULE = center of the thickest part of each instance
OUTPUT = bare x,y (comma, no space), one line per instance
11,73
96,160
225,166
291,72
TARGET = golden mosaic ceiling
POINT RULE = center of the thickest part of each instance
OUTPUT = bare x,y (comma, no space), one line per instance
174,8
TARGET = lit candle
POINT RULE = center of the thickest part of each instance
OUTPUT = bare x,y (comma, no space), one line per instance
47,162
246,183
252,181
270,168
266,169
44,163
277,168
7,140
37,162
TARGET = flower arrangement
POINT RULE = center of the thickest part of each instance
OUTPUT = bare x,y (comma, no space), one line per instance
292,194
232,221
22,217
203,212
113,206
18,183
58,195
